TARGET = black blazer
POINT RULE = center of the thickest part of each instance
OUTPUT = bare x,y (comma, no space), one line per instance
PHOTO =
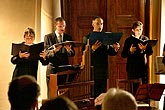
99,58
59,58
136,61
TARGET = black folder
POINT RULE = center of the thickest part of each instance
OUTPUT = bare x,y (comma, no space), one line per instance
152,42
106,38
34,49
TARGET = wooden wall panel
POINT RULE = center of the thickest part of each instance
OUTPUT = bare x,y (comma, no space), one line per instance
79,14
120,16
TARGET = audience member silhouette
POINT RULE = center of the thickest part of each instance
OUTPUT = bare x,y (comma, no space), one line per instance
118,99
59,103
23,93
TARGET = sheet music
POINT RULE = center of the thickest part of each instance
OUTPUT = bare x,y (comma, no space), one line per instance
159,66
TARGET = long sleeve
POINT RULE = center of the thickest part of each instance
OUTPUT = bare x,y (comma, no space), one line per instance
49,40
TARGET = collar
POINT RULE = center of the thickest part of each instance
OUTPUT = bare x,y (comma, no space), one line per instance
57,34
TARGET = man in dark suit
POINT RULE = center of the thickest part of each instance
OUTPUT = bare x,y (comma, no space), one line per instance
57,55
99,57
136,54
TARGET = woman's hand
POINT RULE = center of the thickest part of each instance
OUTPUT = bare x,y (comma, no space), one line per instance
24,55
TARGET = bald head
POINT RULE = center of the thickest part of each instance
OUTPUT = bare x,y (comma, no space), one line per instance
117,99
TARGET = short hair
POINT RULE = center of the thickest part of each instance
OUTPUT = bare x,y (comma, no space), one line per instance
59,19
96,17
118,99
59,103
29,31
23,92
136,24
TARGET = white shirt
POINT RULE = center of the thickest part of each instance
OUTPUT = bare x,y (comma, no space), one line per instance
58,37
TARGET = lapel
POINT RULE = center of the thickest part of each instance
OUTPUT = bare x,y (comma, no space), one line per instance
54,39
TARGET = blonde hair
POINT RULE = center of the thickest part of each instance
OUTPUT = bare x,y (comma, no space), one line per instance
117,99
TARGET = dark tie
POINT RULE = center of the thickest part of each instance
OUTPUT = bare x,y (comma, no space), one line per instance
60,38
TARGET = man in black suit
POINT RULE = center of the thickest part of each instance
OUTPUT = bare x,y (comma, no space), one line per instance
99,57
57,55
137,54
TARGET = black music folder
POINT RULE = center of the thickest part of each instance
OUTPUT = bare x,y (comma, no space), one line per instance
152,42
106,38
34,49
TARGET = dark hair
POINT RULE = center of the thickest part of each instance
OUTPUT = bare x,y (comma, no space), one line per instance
23,92
95,17
29,31
136,23
59,19
59,103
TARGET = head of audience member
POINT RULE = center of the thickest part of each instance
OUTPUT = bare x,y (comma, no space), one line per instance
118,99
59,103
137,28
29,36
60,25
23,93
97,24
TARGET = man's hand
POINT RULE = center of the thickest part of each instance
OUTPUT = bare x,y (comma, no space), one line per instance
96,45
43,55
132,49
57,48
116,46
142,47
99,99
68,47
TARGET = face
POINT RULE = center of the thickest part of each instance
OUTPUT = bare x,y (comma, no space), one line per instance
28,39
60,26
97,24
138,31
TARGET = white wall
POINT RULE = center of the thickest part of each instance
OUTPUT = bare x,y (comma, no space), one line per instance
15,16
49,10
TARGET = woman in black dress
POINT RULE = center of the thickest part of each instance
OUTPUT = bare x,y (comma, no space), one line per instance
25,65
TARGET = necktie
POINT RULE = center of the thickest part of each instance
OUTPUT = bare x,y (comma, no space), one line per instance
60,38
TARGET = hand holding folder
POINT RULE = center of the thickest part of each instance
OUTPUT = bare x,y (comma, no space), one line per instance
34,49
144,42
73,43
106,38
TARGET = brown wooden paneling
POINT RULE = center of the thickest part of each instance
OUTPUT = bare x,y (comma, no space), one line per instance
79,14
118,16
